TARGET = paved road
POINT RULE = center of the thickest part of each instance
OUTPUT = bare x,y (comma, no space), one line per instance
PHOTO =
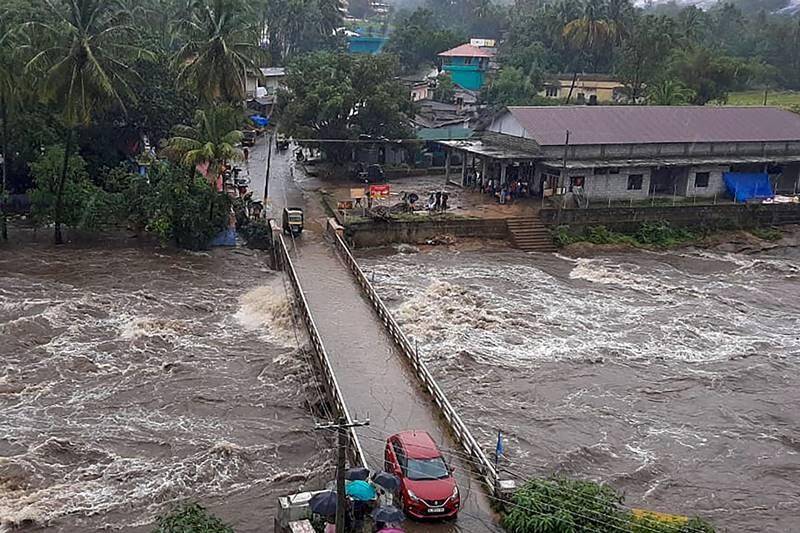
374,378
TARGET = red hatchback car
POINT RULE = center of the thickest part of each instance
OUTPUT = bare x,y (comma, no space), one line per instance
427,486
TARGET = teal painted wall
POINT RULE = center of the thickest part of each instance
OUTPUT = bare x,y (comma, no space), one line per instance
365,45
468,76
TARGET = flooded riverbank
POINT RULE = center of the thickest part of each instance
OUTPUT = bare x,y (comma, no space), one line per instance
670,375
135,377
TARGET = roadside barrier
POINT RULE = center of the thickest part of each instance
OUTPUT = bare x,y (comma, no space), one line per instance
334,393
482,465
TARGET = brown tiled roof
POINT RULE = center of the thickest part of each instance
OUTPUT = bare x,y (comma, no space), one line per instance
467,50
656,124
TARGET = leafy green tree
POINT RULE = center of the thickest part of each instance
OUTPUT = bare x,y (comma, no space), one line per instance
177,205
445,89
212,139
512,87
293,27
220,47
418,38
342,96
191,518
669,92
83,205
709,75
590,34
82,71
644,52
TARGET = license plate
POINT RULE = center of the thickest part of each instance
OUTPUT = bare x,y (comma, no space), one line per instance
436,509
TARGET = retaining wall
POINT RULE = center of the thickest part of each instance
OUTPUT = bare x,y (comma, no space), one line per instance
628,219
380,233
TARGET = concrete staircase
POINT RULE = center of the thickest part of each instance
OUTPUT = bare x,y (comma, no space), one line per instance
530,235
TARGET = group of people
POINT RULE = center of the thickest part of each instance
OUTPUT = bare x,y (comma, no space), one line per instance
437,201
505,193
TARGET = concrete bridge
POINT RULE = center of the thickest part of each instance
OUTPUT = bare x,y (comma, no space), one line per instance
367,364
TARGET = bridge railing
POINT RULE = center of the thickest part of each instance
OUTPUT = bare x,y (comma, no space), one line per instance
334,394
481,463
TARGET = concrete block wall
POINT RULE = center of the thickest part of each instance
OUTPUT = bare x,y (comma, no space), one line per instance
614,186
716,185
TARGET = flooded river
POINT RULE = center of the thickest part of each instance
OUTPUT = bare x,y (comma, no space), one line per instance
672,376
132,378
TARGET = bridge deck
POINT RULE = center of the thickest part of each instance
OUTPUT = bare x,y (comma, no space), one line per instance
373,376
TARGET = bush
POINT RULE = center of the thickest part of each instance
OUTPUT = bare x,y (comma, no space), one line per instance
177,205
662,234
191,518
85,205
257,234
767,234
560,505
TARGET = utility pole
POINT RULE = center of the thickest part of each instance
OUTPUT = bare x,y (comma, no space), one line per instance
269,162
341,464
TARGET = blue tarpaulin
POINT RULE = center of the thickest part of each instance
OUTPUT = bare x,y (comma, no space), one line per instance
226,237
744,187
259,120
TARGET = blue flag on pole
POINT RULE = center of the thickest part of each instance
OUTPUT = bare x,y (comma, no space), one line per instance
500,449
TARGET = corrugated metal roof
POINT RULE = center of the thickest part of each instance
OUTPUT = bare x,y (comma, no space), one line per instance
656,124
467,50
270,72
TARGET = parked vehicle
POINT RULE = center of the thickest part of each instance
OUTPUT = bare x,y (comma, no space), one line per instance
292,221
281,142
427,486
369,173
248,138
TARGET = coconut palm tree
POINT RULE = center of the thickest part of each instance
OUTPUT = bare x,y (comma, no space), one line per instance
211,140
81,69
221,39
669,92
592,31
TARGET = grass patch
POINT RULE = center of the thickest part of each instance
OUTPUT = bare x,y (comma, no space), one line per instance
767,234
649,235
786,99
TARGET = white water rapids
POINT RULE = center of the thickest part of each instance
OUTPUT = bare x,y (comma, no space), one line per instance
673,376
132,379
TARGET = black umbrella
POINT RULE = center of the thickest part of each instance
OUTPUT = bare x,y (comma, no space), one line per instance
357,473
323,503
386,480
388,514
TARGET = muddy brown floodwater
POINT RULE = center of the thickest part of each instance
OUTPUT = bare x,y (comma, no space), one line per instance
672,376
133,377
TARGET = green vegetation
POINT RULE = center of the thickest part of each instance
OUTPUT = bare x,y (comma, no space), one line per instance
787,99
560,505
191,518
767,234
342,96
648,235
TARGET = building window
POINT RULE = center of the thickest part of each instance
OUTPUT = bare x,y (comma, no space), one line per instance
701,179
635,182
599,171
467,60
551,92
613,170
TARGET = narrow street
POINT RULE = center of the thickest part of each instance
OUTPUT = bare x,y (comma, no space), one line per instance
375,380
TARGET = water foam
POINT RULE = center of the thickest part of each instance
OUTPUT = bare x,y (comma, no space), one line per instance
267,311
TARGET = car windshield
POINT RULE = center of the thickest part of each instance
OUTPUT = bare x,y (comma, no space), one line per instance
421,469
295,218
